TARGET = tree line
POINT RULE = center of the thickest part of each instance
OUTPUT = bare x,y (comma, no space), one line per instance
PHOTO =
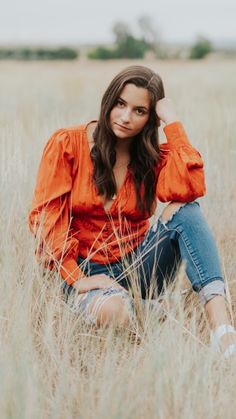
31,53
126,45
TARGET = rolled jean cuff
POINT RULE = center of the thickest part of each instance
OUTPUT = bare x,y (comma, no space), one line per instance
209,291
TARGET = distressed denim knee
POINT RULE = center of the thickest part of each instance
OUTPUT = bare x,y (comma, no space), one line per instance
198,249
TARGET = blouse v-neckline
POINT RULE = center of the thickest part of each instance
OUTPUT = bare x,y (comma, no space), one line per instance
118,194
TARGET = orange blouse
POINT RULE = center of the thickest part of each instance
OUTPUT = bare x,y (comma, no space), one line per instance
68,215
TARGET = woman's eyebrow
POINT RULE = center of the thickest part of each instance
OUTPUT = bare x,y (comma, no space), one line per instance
138,106
120,98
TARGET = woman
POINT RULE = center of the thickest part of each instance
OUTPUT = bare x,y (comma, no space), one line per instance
97,187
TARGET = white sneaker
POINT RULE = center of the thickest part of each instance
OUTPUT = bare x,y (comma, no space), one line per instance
217,334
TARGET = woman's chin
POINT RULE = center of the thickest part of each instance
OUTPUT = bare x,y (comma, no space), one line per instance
121,134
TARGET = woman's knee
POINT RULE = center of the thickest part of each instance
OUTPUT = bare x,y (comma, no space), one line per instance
110,309
173,208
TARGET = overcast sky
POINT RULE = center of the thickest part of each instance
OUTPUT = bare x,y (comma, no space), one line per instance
91,21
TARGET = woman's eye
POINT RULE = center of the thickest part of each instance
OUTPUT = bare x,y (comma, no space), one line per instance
120,104
140,111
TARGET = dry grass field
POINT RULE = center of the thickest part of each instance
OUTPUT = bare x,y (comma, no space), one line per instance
51,364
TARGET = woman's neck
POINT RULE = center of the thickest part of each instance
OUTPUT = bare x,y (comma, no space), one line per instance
123,146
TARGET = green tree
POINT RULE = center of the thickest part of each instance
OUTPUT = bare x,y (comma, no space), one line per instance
201,48
101,53
29,53
6,54
131,47
126,45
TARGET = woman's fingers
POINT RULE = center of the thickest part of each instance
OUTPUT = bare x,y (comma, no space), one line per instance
107,282
95,281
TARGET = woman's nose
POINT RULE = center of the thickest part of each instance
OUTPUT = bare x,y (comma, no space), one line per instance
126,115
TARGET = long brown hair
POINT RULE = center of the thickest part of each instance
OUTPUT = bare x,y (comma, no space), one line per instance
144,150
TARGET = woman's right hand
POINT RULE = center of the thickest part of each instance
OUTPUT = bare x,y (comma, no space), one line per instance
165,110
89,283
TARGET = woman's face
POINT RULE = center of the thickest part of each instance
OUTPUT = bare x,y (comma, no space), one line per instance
131,111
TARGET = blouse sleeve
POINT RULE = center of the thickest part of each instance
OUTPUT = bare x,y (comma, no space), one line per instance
50,216
180,173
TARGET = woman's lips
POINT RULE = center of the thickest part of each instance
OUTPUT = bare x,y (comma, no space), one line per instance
122,127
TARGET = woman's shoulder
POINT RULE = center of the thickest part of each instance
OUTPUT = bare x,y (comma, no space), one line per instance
87,128
78,132
72,140
76,129
71,132
68,137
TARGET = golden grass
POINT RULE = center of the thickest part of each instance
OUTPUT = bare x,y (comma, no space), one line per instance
51,364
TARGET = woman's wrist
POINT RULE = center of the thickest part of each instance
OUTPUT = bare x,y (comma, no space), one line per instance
166,111
84,284
77,283
171,119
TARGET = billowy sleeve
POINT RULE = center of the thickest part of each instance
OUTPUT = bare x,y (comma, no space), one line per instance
181,168
50,214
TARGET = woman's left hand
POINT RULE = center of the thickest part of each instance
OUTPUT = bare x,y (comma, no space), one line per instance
165,111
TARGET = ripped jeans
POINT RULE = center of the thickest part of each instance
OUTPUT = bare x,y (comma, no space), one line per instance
184,237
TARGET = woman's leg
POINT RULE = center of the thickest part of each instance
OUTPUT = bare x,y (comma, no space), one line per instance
101,307
198,249
181,233
148,262
153,264
187,226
